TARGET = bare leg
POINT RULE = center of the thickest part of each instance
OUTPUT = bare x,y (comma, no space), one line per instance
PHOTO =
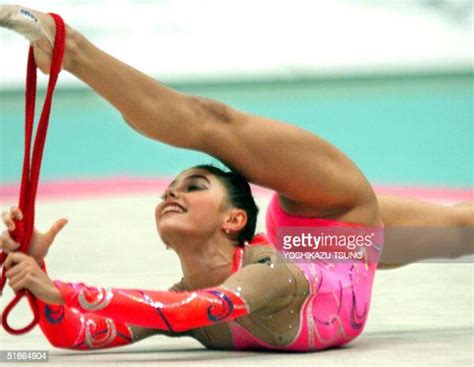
310,174
418,230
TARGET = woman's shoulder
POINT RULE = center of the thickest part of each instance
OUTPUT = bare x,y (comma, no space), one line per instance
259,250
262,251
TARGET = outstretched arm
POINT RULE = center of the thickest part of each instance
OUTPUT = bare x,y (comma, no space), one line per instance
67,328
173,312
75,316
312,176
244,292
70,327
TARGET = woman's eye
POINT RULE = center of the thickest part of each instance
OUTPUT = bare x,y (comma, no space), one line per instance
193,187
190,187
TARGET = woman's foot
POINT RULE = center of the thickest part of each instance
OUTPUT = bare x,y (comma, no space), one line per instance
39,28
464,216
24,21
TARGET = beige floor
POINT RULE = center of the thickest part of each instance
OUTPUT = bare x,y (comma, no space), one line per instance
421,315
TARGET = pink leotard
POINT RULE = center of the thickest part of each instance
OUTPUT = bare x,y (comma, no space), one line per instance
333,313
336,308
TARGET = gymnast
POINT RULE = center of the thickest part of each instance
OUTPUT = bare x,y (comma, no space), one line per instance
235,293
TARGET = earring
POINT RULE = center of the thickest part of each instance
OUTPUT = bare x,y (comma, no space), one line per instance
167,247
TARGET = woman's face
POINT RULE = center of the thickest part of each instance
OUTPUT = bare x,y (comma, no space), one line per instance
194,204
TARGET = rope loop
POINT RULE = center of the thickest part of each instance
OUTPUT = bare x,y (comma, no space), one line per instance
32,166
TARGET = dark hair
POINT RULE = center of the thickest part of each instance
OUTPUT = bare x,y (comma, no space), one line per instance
240,196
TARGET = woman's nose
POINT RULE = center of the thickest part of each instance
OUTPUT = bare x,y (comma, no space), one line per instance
170,192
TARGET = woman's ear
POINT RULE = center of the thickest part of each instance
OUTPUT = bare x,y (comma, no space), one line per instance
235,220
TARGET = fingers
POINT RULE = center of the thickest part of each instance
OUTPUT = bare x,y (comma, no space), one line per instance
18,276
18,281
8,217
8,221
16,258
19,267
14,271
16,212
8,245
57,227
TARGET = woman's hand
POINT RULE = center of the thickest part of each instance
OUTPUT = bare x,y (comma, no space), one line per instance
24,273
40,242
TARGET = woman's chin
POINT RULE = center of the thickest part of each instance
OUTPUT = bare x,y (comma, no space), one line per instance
172,228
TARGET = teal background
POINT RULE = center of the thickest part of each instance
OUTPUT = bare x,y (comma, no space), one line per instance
398,129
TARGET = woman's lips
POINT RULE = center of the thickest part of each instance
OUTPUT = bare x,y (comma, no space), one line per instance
172,207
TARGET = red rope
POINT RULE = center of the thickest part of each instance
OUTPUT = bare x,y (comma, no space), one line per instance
30,176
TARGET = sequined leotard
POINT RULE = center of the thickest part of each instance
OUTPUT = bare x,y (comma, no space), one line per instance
336,308
334,311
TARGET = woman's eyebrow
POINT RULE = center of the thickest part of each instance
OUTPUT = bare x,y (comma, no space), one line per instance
190,177
198,176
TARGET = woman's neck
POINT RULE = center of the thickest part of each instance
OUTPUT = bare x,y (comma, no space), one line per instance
207,264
